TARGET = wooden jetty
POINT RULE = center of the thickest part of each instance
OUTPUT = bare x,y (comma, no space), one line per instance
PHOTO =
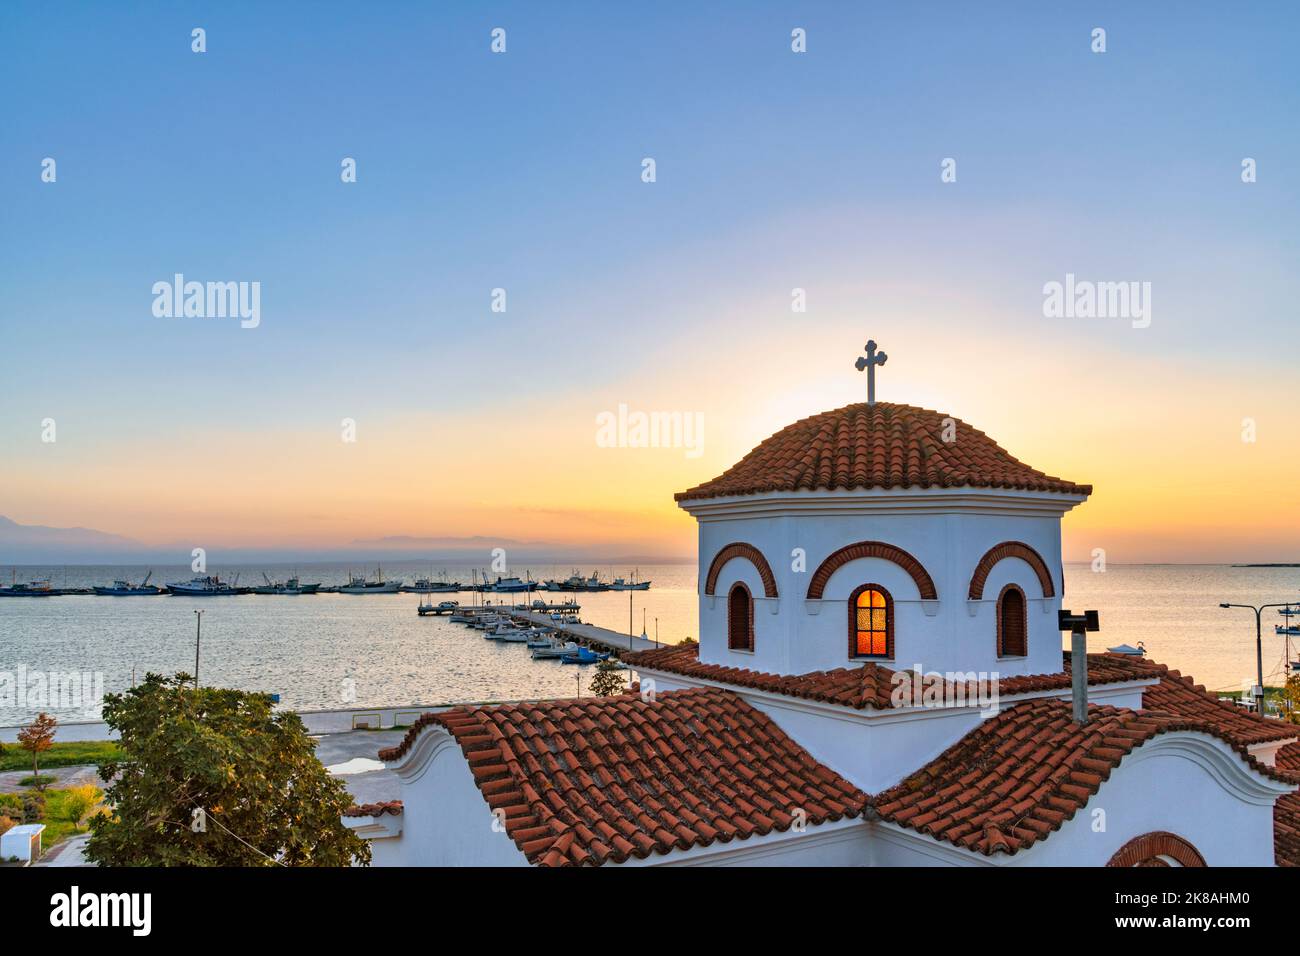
587,634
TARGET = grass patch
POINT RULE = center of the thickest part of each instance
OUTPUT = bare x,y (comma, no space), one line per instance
40,781
65,811
71,754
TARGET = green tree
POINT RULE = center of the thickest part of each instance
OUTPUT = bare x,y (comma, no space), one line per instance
1291,699
37,737
608,680
213,777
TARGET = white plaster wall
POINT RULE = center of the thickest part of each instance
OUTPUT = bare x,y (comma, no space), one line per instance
872,751
1161,786
446,820
875,750
949,545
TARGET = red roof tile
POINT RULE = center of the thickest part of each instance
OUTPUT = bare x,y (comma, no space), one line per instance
870,684
877,446
1017,777
585,781
1286,812
1176,694
393,807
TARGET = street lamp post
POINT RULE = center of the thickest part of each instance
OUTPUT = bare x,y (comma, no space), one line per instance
198,633
1259,650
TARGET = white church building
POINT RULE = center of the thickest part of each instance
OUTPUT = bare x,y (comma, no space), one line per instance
879,681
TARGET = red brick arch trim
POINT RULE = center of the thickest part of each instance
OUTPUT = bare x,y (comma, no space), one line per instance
872,549
751,554
1011,549
1147,849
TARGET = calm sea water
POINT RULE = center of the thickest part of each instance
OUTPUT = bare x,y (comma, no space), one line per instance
312,649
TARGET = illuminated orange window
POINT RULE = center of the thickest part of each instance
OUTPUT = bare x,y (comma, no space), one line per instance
871,622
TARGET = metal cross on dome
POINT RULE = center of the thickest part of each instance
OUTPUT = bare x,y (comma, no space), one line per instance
873,359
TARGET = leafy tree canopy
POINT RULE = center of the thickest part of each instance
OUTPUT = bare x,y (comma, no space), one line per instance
213,777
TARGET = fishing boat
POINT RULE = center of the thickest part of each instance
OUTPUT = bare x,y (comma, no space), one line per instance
619,584
576,582
1289,611
39,588
510,585
430,586
359,584
1288,630
291,586
206,586
122,588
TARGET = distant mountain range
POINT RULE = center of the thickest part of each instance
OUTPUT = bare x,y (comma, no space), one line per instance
24,544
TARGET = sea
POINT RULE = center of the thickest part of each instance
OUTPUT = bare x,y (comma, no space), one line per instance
328,651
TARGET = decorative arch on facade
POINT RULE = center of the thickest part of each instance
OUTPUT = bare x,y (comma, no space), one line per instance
1010,549
751,554
872,549
1157,849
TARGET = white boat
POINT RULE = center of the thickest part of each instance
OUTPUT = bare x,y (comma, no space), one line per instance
358,584
1126,649
511,585
555,651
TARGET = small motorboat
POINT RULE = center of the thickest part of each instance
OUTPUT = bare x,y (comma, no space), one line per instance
583,655
554,651
1128,650
1289,630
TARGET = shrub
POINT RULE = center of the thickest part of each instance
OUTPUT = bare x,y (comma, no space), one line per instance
11,804
79,801
5,823
33,807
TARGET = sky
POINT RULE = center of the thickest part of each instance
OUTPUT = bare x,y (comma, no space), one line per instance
523,171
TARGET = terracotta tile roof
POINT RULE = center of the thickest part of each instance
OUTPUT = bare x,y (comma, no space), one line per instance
393,807
1176,694
877,446
870,684
1286,812
1288,757
1017,777
582,782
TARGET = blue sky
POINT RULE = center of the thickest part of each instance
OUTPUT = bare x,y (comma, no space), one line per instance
522,170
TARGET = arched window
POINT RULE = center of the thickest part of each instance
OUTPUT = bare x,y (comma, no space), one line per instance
740,619
1013,623
871,622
